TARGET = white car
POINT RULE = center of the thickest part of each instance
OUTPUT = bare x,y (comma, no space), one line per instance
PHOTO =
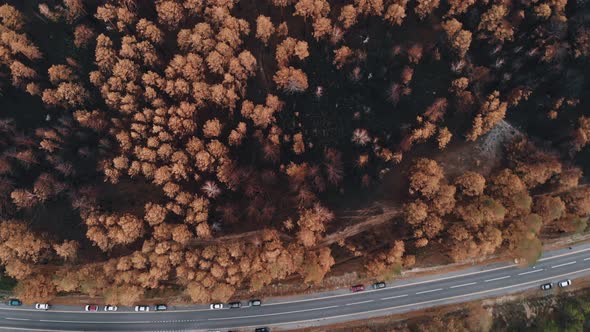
110,308
142,308
564,283
42,306
216,306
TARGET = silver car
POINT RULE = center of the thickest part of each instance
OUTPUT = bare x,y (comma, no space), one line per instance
564,283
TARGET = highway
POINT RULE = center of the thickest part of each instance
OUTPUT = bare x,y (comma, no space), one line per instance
321,308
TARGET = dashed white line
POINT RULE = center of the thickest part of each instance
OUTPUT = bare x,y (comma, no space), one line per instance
393,297
494,279
463,285
348,315
586,258
529,272
361,302
94,322
430,291
14,318
564,264
275,313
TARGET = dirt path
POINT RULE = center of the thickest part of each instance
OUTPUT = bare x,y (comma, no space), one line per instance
251,236
370,220
387,215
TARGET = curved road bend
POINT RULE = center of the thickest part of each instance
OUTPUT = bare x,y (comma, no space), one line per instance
317,309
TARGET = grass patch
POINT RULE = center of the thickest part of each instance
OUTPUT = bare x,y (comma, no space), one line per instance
6,283
395,271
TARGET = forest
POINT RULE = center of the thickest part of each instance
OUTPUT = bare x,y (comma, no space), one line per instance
214,146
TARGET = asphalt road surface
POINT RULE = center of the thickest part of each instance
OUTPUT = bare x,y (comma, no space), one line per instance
320,308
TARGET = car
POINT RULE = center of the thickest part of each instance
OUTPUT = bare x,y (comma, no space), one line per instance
235,305
142,308
110,308
160,307
262,329
378,285
547,286
14,302
255,303
564,283
216,306
357,288
91,307
42,306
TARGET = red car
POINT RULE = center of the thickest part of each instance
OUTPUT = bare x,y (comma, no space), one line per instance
91,307
357,288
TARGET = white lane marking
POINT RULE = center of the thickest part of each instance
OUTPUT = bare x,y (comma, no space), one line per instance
494,279
275,313
564,254
392,287
418,303
586,258
468,284
529,272
564,264
361,302
393,297
93,322
429,291
14,318
32,329
325,297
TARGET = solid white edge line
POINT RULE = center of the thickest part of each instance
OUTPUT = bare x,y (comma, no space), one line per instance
564,264
463,285
429,291
418,303
93,321
564,254
33,329
433,280
494,279
325,297
529,272
395,286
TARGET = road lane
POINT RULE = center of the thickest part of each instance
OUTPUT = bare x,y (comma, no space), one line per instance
322,308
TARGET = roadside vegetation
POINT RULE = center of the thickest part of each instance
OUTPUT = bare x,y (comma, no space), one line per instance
221,146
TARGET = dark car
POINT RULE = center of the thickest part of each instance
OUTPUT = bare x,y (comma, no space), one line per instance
547,286
235,305
254,303
378,285
14,302
357,288
160,307
262,329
